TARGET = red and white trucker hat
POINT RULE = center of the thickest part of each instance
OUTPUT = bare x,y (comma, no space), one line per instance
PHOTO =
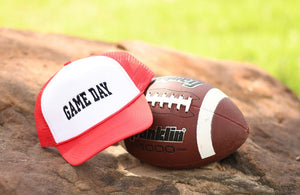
93,103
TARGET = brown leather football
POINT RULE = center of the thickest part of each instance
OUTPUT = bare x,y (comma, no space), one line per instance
193,124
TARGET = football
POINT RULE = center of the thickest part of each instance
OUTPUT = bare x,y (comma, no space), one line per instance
194,124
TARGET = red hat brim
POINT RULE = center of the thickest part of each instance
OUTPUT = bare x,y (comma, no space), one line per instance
134,118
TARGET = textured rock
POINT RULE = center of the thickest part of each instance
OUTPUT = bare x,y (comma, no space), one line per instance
266,164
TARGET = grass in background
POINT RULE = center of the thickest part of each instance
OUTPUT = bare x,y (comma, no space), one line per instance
265,33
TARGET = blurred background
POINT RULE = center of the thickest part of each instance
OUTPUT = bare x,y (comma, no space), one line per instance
264,33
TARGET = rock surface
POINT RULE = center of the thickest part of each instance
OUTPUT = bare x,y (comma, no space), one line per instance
267,163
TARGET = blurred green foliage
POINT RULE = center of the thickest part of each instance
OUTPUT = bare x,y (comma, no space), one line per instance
264,33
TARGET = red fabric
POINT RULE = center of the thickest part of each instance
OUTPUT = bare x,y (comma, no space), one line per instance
138,72
134,118
43,131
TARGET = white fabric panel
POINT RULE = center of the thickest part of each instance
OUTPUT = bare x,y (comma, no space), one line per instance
204,123
77,77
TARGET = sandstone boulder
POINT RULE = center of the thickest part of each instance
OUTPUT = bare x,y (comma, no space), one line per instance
267,163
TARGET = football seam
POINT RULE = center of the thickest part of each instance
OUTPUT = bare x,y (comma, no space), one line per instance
227,118
179,106
171,100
